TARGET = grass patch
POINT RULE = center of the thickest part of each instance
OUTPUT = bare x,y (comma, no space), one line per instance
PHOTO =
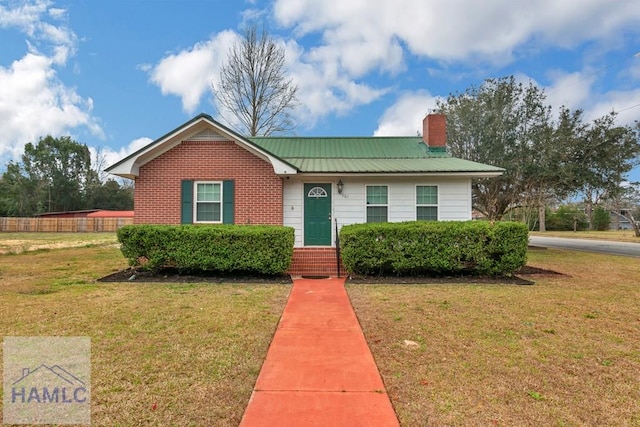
19,243
613,235
562,352
535,395
162,354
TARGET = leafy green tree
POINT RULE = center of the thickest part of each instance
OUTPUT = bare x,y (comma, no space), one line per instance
104,192
601,219
599,160
60,168
16,192
111,195
56,175
566,218
506,124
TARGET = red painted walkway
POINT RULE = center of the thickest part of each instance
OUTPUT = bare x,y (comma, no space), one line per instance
319,370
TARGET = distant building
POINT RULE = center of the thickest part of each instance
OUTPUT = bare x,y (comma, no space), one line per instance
619,221
88,213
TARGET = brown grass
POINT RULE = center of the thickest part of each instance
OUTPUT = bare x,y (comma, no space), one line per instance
563,352
162,354
16,243
615,235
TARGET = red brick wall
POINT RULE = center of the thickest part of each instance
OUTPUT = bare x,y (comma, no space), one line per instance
258,190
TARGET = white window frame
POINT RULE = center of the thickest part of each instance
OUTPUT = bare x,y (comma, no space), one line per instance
367,205
195,202
427,205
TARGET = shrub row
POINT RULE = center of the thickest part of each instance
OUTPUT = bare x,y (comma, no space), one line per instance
257,249
423,248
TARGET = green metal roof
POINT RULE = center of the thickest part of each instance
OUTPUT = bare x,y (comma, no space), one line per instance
367,155
345,148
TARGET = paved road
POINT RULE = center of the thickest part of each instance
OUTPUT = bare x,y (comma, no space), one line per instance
601,246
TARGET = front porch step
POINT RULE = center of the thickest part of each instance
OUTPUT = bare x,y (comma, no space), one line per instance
315,262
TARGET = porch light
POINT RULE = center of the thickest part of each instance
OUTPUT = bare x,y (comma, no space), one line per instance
340,186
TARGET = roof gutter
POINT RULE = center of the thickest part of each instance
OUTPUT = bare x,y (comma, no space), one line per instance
488,174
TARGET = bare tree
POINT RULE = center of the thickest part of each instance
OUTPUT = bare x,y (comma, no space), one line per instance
252,92
99,163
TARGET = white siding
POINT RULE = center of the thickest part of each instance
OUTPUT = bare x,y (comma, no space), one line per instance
293,207
454,200
208,135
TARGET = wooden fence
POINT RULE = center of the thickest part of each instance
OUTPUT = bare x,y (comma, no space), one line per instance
62,225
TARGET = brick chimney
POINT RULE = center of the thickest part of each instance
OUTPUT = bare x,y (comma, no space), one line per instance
434,130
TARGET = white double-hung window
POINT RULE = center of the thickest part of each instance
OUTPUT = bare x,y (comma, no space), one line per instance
208,202
377,203
427,202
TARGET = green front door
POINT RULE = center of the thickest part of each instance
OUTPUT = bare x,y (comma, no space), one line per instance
317,214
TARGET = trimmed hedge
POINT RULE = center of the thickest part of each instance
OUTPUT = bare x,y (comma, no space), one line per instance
426,247
260,249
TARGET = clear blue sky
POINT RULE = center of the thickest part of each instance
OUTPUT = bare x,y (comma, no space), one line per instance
116,74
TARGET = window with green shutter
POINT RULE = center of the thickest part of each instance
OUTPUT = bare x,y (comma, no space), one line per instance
377,203
209,202
427,202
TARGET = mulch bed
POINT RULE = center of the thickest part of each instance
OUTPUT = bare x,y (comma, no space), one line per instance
172,275
524,276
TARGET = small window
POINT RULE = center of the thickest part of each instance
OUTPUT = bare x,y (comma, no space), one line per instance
377,203
208,202
427,203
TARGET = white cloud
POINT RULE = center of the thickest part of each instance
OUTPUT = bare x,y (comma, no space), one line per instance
109,157
624,102
631,68
359,55
448,29
34,102
251,16
571,90
405,116
189,73
26,17
322,88
576,91
361,37
30,19
57,13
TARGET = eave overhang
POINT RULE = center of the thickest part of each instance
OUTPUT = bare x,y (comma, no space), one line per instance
129,167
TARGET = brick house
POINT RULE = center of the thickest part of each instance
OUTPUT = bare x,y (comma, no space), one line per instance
203,172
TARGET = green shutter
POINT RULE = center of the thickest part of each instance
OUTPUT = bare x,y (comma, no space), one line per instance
187,202
228,194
